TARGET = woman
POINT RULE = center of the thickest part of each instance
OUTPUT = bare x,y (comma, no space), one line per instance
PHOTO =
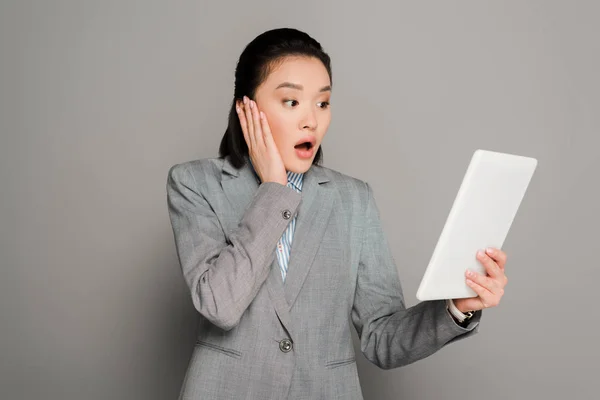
279,252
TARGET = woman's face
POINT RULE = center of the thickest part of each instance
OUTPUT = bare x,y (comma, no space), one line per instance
295,99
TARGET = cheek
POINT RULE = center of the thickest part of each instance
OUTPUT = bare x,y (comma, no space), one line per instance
279,128
324,125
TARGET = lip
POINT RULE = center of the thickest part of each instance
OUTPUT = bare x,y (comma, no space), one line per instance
305,154
309,153
311,139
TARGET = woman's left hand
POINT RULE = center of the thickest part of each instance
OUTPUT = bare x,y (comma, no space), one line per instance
490,287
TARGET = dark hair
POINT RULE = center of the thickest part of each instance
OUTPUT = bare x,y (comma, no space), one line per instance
253,67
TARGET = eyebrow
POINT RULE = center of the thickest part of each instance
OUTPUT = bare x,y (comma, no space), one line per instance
300,87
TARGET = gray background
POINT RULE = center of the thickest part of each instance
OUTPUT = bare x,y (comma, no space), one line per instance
99,99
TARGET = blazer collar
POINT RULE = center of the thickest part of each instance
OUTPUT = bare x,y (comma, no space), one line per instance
314,212
247,172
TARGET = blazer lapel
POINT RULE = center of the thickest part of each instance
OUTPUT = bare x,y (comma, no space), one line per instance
240,186
274,286
313,216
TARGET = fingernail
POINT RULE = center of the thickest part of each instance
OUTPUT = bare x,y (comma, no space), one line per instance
262,115
489,250
251,104
245,100
480,253
237,108
469,272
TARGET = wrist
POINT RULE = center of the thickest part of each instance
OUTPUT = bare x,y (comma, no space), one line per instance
459,316
276,180
459,306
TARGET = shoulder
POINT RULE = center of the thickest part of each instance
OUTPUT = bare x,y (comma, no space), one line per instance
356,190
197,173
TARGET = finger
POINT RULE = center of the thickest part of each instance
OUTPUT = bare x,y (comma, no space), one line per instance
484,281
243,123
248,115
266,129
486,298
490,265
497,255
258,132
494,287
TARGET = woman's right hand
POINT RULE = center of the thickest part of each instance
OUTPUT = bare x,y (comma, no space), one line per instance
263,152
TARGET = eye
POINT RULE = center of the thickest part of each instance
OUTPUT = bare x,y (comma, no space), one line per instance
324,104
293,103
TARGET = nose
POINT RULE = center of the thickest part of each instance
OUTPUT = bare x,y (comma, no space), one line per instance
309,120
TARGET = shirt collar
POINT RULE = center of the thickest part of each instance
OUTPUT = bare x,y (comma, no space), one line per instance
295,179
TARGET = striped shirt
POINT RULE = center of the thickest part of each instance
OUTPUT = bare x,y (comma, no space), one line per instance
284,245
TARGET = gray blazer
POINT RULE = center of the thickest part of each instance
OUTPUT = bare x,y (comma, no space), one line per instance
262,338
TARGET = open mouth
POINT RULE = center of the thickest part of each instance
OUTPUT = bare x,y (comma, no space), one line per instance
306,143
304,146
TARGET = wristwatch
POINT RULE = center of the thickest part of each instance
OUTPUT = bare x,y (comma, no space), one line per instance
462,318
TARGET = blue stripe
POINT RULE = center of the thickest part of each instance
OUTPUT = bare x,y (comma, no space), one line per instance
284,245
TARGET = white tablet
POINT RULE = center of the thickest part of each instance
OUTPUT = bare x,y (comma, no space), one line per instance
481,215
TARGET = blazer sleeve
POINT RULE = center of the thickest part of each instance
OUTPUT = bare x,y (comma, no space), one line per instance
392,335
224,274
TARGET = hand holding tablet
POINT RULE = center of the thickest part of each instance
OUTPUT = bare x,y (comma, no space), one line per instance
480,218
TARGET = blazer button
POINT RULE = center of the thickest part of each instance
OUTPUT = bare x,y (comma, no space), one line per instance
287,214
285,345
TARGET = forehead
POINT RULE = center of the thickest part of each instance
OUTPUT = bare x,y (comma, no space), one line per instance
306,71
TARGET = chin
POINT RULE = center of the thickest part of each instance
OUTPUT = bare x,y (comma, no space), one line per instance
299,166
